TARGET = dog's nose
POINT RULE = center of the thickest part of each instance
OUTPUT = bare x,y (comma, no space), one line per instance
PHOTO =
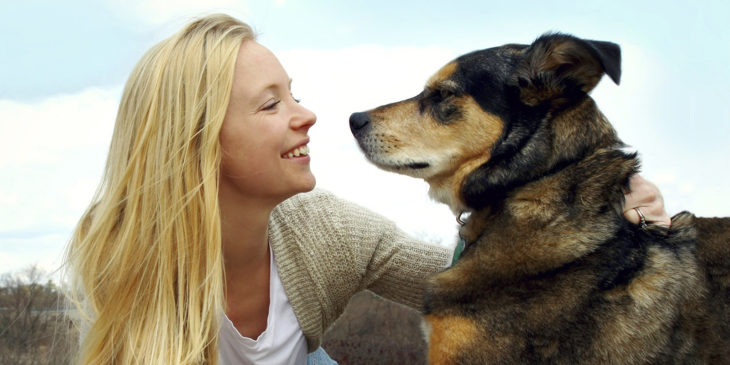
358,121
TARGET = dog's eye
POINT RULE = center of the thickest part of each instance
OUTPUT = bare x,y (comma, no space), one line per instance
447,112
439,95
438,101
443,108
445,94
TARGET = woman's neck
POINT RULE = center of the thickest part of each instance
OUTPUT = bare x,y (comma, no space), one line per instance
244,232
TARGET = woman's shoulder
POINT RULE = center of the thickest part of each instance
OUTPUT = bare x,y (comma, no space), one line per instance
321,203
307,206
313,195
317,199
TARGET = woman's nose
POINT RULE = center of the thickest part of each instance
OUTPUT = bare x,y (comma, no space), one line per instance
305,117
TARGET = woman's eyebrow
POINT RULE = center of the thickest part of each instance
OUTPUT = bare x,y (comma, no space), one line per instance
274,86
254,102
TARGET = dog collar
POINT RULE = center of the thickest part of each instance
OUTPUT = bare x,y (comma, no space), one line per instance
461,242
458,250
459,220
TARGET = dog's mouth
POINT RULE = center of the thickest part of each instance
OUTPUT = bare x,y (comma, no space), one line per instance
392,159
417,165
410,168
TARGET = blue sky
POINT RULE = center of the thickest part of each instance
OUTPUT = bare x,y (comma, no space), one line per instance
63,65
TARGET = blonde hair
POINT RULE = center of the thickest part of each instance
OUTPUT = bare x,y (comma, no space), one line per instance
145,262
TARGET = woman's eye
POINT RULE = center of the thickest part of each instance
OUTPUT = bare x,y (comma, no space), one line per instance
271,104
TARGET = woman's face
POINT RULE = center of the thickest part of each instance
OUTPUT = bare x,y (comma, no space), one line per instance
264,133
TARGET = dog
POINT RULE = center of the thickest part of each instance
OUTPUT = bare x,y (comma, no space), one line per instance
551,273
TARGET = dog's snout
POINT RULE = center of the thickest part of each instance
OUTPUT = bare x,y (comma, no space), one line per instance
358,121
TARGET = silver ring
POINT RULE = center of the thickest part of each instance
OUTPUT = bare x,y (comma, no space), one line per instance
642,219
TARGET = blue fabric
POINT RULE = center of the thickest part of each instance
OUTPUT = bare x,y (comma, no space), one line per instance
320,357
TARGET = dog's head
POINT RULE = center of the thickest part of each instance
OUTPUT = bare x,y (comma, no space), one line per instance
494,119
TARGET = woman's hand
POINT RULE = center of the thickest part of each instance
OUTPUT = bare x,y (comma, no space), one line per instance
648,199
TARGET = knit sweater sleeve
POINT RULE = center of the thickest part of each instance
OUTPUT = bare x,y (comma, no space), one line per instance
397,264
387,260
327,249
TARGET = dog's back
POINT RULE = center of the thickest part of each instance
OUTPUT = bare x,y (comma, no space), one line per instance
713,254
665,303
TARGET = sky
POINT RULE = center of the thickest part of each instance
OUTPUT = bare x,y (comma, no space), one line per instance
63,66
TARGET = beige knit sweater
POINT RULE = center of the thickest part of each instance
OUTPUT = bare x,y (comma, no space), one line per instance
327,249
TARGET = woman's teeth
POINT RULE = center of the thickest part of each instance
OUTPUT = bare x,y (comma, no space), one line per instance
301,151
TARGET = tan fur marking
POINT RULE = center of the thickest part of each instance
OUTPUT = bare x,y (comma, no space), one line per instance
481,130
402,134
449,336
442,74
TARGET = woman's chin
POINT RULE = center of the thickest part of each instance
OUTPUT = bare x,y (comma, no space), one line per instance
311,183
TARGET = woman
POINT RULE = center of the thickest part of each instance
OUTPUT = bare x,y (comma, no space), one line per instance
195,249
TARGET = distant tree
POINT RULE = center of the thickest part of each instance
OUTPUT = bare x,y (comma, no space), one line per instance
33,325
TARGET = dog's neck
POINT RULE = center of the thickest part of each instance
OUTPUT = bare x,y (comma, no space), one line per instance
441,194
528,219
560,140
446,188
572,142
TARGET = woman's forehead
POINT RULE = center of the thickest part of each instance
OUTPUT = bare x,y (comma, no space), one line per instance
258,69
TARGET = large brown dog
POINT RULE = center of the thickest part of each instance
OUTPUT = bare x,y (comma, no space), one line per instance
552,272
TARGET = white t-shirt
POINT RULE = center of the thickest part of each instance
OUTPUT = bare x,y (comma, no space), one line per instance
281,343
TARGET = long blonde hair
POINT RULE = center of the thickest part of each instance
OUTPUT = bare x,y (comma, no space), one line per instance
144,264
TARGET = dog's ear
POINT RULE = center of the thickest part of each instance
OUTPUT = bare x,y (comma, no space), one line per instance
558,68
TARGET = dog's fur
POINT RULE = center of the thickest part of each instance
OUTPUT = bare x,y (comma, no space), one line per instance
552,272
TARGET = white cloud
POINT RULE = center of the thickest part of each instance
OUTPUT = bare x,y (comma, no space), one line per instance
51,155
42,132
